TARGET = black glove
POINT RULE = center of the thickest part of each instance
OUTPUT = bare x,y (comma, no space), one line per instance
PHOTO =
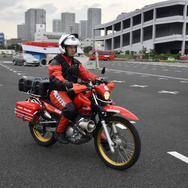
67,85
105,81
100,80
97,81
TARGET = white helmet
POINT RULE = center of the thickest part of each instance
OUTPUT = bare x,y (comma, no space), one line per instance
68,40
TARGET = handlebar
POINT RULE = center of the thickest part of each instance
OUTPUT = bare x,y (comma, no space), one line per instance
83,85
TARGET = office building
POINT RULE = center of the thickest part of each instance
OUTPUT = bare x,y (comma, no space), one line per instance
42,36
57,25
93,18
21,31
77,28
33,17
161,26
83,29
68,22
2,39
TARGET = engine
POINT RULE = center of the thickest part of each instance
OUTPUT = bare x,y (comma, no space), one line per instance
78,133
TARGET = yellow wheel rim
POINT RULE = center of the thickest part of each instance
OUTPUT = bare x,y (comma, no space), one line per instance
104,154
40,137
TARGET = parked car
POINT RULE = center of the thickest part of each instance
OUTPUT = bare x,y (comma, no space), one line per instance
171,59
25,59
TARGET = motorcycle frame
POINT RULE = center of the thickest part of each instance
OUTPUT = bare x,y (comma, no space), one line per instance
102,111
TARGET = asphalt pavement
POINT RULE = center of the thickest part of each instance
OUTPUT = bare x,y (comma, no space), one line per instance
156,94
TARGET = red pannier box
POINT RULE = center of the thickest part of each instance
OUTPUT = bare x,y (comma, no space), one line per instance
28,111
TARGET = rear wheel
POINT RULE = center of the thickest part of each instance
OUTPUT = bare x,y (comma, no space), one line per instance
41,136
126,141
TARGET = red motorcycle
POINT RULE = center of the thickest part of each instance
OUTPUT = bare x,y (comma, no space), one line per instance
116,140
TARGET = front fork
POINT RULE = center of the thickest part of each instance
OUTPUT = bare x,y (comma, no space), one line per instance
104,125
110,143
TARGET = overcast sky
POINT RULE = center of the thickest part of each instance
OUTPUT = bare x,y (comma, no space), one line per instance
12,11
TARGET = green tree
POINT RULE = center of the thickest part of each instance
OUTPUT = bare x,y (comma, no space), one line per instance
127,52
15,47
143,51
87,49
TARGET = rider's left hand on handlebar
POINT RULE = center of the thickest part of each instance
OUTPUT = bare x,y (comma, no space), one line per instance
79,88
100,80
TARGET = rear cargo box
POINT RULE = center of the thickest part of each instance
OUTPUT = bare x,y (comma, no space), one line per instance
41,87
37,86
28,111
24,84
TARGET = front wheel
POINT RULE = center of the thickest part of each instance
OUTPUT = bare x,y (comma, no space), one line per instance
126,141
41,136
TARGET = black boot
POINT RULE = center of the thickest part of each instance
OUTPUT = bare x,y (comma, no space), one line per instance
61,137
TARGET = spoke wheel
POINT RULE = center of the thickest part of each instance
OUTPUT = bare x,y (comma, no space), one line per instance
126,141
42,137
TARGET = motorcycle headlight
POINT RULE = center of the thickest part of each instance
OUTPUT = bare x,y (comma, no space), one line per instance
106,95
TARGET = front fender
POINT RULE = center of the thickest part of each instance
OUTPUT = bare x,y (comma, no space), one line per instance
120,110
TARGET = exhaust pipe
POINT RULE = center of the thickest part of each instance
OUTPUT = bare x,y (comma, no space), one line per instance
87,125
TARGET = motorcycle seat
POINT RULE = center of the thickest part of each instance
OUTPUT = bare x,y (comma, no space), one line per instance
47,99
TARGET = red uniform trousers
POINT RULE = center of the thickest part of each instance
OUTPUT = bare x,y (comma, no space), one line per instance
62,101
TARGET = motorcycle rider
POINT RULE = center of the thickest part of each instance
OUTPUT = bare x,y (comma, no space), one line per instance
64,71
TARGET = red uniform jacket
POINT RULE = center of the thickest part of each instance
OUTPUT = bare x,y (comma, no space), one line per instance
58,72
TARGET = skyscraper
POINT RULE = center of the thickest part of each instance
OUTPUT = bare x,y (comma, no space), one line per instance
68,22
83,29
57,25
77,28
93,18
33,17
21,31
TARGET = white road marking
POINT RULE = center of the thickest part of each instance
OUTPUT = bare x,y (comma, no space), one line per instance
141,86
163,78
116,72
133,122
154,75
169,92
1,85
184,82
15,71
179,156
129,73
144,76
118,81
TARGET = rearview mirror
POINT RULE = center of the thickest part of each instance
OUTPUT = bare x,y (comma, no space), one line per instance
103,70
